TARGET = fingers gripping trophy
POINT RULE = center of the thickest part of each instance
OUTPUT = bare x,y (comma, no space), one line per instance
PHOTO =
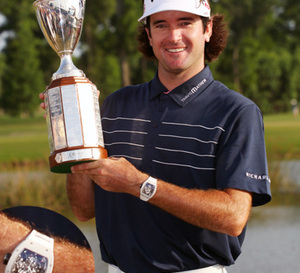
72,106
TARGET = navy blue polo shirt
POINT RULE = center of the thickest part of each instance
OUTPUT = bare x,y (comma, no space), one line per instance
200,135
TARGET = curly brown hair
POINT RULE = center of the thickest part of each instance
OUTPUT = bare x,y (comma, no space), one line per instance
213,48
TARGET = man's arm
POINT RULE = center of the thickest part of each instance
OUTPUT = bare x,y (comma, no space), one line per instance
80,190
68,257
224,211
11,234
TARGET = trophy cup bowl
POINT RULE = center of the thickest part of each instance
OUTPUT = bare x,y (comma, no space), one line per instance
72,107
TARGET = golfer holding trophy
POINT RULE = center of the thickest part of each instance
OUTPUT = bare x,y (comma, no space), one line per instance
72,106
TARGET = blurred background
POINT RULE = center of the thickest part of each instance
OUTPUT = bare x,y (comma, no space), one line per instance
261,61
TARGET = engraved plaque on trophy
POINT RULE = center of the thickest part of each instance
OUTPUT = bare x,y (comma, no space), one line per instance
72,107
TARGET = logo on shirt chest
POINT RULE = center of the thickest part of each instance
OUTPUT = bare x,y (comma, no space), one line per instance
194,90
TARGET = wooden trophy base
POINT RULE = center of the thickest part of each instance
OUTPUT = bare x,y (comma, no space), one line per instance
61,162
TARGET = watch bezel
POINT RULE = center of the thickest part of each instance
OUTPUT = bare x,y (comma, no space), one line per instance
35,242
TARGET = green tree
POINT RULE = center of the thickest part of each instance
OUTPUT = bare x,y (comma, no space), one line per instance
2,65
109,44
288,35
97,60
245,18
22,79
258,55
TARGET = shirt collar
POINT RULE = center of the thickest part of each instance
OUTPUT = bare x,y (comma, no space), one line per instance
186,92
156,87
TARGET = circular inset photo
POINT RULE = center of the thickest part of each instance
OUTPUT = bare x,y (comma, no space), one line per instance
34,239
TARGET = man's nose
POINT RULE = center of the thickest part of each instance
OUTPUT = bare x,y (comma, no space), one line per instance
175,34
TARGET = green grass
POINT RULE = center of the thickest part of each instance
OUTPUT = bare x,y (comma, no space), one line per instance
282,136
25,140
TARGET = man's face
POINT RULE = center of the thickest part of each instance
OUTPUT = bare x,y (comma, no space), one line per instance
178,39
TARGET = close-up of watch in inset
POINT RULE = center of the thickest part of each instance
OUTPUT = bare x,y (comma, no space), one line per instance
33,255
39,240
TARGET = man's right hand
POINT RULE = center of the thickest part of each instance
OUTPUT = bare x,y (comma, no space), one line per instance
42,97
42,105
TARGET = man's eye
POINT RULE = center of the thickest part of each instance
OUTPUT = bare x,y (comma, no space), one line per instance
161,26
185,23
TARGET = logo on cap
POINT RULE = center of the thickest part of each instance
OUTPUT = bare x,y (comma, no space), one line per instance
198,3
202,2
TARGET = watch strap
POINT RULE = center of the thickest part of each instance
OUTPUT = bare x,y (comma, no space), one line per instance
41,238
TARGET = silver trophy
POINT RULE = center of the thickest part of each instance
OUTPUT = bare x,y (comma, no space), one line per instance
72,106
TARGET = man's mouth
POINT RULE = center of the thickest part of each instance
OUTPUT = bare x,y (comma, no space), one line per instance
176,50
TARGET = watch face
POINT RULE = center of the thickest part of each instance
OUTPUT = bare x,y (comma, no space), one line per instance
148,189
30,262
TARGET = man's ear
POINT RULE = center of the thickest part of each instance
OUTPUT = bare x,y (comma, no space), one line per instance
208,31
149,35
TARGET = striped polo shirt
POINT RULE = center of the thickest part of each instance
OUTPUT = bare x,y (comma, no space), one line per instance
199,135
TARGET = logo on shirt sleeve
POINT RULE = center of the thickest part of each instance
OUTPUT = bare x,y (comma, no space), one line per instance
263,177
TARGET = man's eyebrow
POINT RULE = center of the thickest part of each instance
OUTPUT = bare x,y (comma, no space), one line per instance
158,22
186,19
179,19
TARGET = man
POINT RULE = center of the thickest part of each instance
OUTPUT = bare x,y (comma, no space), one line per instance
187,155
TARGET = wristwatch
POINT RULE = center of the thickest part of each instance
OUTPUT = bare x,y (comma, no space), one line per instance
34,254
148,189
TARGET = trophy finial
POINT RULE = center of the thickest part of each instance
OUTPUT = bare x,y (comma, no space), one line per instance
61,23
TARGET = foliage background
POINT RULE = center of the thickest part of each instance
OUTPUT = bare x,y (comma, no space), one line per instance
261,61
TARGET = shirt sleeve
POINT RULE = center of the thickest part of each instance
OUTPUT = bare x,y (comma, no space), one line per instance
241,157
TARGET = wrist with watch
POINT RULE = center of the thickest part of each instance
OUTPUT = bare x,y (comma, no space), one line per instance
148,189
34,254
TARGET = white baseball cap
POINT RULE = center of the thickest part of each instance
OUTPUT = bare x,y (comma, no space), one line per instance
198,7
